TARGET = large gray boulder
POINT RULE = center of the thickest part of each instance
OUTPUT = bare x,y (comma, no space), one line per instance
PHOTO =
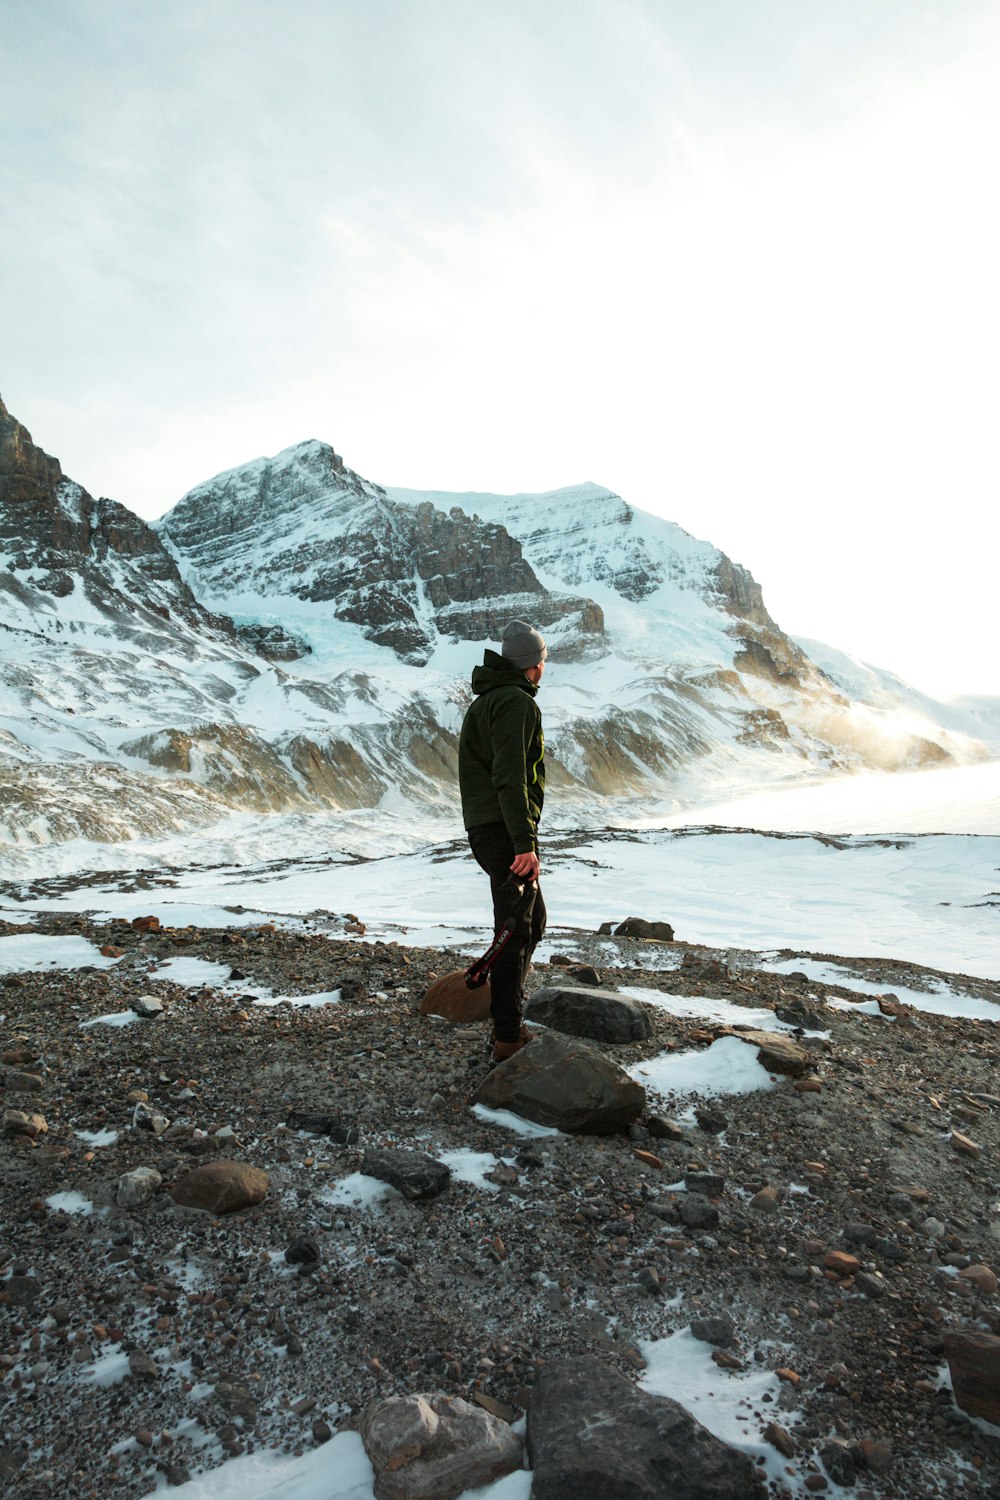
565,1083
583,1011
592,1433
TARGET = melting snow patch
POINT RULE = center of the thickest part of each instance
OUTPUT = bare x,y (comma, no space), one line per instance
471,1166
193,973
337,1470
728,1066
727,1403
34,952
97,1137
111,1018
510,1121
108,1368
704,1008
70,1203
327,997
937,1000
358,1191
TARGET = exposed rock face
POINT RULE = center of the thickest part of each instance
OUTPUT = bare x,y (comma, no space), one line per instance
592,1433
304,526
59,538
568,1084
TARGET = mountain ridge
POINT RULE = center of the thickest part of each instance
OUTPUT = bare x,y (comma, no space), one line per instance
292,635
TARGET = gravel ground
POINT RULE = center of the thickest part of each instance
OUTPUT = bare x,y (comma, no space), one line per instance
137,1346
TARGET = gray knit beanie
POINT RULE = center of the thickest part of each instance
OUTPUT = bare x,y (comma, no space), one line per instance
523,645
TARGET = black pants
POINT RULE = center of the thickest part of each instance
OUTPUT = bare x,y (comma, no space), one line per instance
494,852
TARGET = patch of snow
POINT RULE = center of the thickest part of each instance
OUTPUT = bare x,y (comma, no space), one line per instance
729,1403
34,953
471,1167
70,1203
112,1018
728,1066
509,1121
107,1369
705,1008
939,999
97,1138
358,1190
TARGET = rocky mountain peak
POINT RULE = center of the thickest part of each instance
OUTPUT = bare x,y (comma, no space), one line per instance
304,529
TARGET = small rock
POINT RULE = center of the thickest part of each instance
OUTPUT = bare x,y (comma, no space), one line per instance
660,932
718,1331
711,1119
322,1123
981,1277
872,1286
303,1251
878,1456
413,1173
142,1366
16,1082
766,1201
836,1459
663,1129
20,1291
709,1183
18,1122
963,1145
144,1118
137,1187
148,1006
841,1263
696,1212
780,1438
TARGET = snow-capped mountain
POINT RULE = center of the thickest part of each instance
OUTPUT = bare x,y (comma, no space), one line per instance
292,635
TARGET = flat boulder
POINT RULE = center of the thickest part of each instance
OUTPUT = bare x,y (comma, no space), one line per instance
451,998
592,1433
660,932
565,1083
221,1187
413,1173
435,1447
583,1011
777,1052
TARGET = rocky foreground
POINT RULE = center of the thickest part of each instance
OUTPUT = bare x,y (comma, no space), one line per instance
162,1310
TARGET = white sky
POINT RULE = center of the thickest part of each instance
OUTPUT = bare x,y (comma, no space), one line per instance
738,261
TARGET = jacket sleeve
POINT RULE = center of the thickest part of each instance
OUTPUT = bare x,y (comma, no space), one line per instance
515,723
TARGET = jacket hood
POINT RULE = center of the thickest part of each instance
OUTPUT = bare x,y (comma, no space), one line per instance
496,672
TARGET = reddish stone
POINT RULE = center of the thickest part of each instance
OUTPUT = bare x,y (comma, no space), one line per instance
841,1263
974,1362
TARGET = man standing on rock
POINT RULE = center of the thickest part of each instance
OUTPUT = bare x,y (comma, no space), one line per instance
501,772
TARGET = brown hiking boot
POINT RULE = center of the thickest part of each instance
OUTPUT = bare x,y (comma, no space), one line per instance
503,1050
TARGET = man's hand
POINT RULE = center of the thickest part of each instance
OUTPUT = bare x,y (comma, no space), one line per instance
525,865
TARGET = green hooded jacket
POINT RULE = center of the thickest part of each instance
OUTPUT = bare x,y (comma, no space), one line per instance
501,753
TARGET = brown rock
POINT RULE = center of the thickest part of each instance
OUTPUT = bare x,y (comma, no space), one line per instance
110,951
221,1187
23,1083
767,1201
18,1057
878,1456
974,1363
780,1438
18,1123
451,998
963,1145
777,1052
981,1277
146,924
811,1085
790,1377
841,1263
648,1158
